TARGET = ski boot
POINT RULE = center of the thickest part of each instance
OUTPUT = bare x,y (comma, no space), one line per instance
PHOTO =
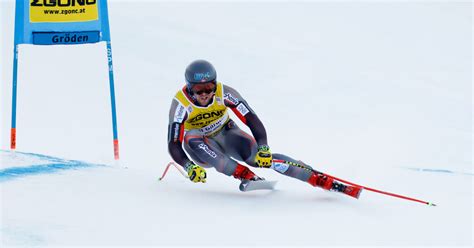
250,181
243,173
318,179
321,180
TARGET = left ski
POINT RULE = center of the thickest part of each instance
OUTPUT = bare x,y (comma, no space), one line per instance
247,185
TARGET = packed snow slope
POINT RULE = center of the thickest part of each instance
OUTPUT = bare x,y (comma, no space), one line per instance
378,93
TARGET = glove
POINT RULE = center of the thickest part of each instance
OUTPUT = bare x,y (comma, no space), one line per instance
195,172
263,157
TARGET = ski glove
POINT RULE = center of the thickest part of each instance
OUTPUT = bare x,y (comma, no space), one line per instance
196,173
263,157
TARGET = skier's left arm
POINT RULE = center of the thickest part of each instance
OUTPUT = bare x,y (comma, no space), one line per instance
177,116
240,107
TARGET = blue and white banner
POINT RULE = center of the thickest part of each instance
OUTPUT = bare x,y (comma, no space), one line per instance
52,22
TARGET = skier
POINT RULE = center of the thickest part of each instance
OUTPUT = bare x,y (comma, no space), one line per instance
199,122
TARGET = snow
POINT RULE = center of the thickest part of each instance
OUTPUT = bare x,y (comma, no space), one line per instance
360,90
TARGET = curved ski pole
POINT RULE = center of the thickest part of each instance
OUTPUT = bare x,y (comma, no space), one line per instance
177,167
357,185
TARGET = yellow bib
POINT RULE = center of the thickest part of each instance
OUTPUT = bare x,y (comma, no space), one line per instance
207,120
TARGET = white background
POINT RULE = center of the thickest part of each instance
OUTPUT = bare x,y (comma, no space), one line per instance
359,90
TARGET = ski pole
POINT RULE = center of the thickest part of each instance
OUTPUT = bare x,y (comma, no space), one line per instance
177,167
351,183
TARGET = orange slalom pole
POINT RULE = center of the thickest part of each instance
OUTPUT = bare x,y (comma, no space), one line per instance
13,138
116,149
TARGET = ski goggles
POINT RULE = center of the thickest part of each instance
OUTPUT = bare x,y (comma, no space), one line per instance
207,88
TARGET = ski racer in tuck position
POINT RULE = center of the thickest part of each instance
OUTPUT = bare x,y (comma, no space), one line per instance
199,122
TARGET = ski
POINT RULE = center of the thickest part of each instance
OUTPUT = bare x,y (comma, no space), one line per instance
247,185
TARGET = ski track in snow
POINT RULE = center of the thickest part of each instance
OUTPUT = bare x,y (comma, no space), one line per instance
420,169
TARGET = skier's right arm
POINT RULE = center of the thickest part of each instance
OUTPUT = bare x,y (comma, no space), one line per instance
177,116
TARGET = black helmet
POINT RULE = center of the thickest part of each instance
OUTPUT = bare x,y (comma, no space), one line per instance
199,72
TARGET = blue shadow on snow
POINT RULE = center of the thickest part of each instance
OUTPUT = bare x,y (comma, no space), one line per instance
51,165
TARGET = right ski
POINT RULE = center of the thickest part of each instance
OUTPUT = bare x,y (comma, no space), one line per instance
247,185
